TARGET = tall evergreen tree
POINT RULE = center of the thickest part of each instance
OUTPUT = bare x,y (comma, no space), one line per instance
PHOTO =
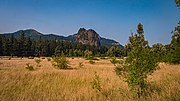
21,45
11,45
1,46
27,46
4,45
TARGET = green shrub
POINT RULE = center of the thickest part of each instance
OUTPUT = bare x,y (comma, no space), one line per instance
91,62
88,54
48,59
96,83
43,57
173,57
38,62
9,58
102,58
60,61
29,67
94,58
30,57
114,61
80,65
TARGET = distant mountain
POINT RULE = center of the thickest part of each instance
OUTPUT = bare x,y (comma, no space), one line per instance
92,37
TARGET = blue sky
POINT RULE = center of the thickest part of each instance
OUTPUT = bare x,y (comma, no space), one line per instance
114,19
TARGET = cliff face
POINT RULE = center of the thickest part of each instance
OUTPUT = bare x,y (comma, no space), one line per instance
88,37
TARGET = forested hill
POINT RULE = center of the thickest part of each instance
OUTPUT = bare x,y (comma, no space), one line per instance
35,35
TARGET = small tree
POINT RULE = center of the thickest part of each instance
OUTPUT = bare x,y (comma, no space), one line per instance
60,61
138,64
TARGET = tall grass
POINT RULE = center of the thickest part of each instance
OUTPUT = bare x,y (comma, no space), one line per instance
48,83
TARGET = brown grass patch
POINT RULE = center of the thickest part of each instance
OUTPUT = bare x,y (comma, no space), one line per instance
48,83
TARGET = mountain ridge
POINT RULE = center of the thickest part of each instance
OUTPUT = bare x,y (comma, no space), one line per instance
35,35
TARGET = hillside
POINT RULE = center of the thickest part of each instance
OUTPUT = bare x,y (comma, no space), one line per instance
35,35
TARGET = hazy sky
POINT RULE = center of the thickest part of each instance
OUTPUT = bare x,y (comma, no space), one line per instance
114,19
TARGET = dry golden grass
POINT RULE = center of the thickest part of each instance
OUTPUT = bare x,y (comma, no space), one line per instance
49,83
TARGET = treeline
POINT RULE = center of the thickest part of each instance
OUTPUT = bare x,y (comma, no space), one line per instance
24,46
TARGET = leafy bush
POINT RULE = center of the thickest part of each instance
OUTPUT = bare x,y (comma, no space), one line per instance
96,83
91,62
159,51
43,57
30,57
80,65
29,67
88,54
9,58
60,61
38,62
48,59
114,61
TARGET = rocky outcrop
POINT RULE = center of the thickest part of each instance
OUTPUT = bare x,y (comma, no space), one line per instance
88,37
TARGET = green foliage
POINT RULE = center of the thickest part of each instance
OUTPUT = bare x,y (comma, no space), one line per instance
48,59
38,62
173,56
91,62
88,54
60,61
173,53
139,63
159,52
177,2
30,57
96,83
115,51
114,61
81,65
29,67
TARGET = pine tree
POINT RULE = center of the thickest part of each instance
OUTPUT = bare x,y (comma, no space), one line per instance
1,46
4,45
11,45
21,46
27,46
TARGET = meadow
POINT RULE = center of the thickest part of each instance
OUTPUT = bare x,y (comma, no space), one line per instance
76,84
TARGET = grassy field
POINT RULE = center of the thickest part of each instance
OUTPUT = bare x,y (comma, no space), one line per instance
75,84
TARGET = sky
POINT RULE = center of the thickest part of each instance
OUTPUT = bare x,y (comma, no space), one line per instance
114,19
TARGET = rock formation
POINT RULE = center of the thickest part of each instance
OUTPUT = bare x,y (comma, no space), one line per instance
88,37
